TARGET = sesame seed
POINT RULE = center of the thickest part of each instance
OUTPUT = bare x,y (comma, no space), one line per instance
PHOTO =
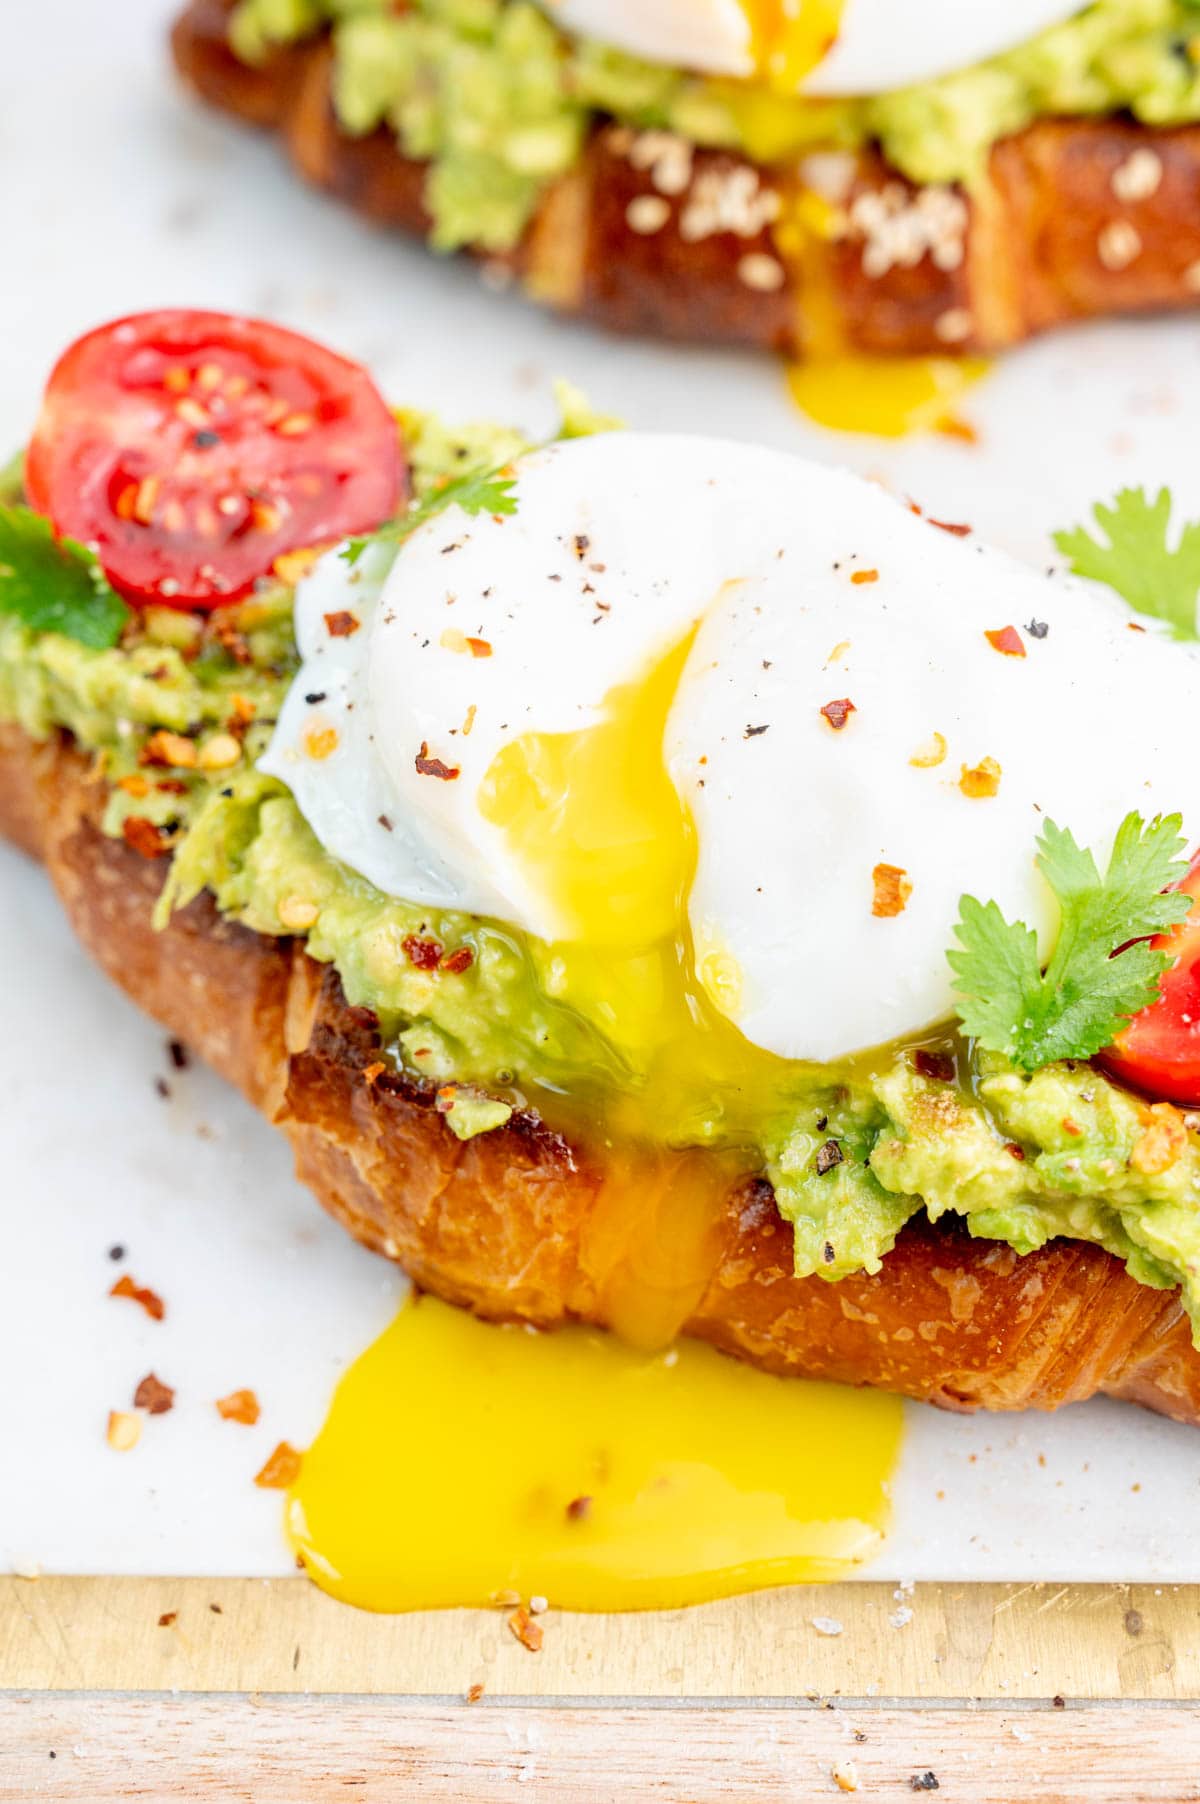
1138,177
647,213
1118,245
762,272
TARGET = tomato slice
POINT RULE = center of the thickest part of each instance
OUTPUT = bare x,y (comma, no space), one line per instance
1159,1051
191,450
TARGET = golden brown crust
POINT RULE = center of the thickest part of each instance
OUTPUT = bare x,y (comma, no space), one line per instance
1054,233
507,1223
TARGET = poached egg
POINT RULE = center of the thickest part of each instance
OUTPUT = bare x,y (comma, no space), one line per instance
819,47
706,709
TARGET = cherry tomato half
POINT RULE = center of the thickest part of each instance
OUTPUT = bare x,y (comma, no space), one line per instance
1159,1051
192,449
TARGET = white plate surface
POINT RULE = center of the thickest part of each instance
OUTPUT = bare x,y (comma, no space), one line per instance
119,193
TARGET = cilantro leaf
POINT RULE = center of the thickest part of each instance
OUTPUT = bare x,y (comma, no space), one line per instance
1096,979
480,492
55,585
1137,561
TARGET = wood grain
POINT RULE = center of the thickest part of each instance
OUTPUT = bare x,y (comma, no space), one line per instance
297,1750
1000,1642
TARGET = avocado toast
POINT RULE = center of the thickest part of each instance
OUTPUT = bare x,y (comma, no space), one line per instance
1053,184
433,1084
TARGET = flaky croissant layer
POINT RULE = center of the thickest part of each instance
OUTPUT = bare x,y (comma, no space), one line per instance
517,1224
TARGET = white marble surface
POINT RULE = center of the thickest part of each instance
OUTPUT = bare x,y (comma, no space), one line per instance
138,198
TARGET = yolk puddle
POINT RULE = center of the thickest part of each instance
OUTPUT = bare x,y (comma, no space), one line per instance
848,390
887,396
461,1460
788,38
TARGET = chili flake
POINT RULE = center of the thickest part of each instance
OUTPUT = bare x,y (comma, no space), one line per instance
124,1430
169,750
864,576
892,890
1006,639
433,767
1163,1142
529,1633
937,1065
960,532
149,1300
479,648
152,1395
320,742
978,781
838,713
239,1406
282,1469
143,837
342,624
931,754
458,961
422,954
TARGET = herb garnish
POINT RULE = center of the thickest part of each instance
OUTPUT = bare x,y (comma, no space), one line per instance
1137,561
55,585
1096,978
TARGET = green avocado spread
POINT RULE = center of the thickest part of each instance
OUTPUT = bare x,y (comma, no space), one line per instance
499,101
471,1006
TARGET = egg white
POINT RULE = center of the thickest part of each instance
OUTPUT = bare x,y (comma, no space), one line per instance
619,545
883,44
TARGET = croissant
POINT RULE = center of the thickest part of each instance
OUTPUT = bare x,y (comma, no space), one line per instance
519,1224
1043,241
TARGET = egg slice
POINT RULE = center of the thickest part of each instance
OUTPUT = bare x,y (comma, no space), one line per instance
820,47
743,714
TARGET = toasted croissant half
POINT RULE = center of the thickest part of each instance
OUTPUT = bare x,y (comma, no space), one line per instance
503,1224
1044,240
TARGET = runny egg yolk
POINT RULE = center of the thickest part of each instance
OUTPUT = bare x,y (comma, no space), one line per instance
887,396
598,828
462,1460
788,38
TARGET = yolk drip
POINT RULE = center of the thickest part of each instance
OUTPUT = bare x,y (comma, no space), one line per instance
599,830
461,1460
887,396
789,38
848,390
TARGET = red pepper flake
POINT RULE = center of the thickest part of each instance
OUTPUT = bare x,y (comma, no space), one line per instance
171,786
443,1102
422,954
458,961
152,1395
529,1633
579,1509
1006,639
960,532
342,624
371,1072
1015,1152
433,767
838,713
168,1619
172,750
864,576
937,1065
475,1692
954,427
1071,1127
143,837
239,1406
479,648
979,781
892,890
282,1469
150,1300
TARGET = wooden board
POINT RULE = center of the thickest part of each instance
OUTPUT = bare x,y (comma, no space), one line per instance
98,1750
1007,1642
265,1690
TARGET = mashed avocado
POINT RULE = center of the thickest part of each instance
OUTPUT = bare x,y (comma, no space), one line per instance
499,101
468,1004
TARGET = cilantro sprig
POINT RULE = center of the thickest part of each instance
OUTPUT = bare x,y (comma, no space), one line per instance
55,585
1096,978
479,492
1138,560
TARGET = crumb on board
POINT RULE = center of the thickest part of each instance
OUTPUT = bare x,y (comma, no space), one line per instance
529,1633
